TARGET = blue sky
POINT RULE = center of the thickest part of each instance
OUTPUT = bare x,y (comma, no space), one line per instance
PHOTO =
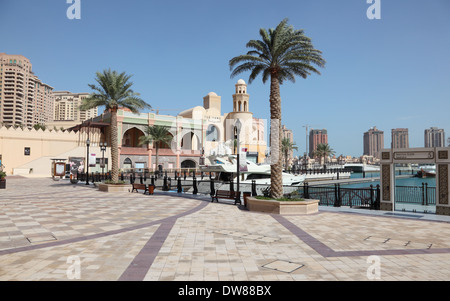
392,72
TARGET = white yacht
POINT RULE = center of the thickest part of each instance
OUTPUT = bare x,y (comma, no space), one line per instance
225,170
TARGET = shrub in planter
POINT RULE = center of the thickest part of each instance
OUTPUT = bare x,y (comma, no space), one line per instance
2,180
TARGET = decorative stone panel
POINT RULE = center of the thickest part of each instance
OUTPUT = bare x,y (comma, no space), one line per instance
443,184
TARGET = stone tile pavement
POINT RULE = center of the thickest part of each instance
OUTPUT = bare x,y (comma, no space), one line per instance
53,230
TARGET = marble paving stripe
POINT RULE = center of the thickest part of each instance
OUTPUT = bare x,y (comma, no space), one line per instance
326,251
103,234
140,265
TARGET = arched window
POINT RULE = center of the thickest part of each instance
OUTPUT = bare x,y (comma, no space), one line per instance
127,163
212,134
131,137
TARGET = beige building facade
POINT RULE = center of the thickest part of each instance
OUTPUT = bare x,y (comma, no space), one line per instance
197,134
288,134
30,152
24,99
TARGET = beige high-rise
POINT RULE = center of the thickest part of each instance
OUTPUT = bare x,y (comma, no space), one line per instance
400,138
67,107
434,137
373,142
24,99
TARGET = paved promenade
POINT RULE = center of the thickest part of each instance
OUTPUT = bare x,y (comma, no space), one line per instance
52,230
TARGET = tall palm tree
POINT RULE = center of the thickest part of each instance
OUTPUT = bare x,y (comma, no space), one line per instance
281,54
323,150
286,147
158,134
113,91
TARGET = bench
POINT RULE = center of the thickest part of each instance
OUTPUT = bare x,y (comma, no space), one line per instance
223,194
140,187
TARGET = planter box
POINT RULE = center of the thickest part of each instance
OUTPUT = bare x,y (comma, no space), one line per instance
114,187
3,184
272,206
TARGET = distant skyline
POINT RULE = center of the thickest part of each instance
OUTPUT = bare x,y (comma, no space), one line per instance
392,72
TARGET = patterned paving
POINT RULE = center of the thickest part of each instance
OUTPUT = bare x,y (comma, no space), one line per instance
58,231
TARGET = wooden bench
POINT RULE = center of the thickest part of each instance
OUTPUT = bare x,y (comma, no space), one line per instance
140,187
223,194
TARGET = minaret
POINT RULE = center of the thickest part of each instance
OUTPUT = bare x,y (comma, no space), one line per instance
241,112
240,98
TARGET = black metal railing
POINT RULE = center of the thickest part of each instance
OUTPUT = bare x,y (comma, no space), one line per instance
422,195
337,196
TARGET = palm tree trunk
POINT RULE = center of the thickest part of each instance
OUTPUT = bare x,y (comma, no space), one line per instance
286,159
276,177
114,147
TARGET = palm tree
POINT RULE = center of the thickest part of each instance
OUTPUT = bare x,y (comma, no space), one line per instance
158,134
113,91
323,150
286,147
281,54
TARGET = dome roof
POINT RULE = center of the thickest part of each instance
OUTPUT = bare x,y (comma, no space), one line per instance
212,94
241,82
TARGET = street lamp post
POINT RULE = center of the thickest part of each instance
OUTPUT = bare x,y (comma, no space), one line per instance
103,146
88,142
238,126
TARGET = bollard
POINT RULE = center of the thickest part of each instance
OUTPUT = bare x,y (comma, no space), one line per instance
211,186
195,185
165,188
254,188
179,187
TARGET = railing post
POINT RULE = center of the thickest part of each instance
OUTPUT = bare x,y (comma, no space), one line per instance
426,194
336,200
339,194
371,197
306,190
377,206
423,193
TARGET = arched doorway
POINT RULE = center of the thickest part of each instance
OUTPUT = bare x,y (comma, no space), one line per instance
188,164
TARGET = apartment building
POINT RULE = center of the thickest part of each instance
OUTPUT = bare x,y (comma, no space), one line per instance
317,137
67,107
24,99
400,138
373,142
434,137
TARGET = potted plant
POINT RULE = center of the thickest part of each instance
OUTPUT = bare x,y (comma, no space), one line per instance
2,180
